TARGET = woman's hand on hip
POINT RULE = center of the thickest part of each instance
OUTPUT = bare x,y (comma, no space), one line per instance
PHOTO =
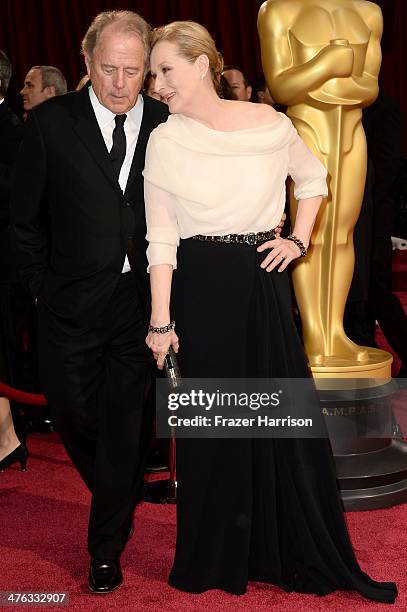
282,252
160,344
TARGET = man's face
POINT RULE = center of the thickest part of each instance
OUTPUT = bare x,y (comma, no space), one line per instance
33,93
116,69
236,82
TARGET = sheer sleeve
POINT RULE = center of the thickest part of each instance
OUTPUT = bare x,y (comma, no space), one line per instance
307,172
162,226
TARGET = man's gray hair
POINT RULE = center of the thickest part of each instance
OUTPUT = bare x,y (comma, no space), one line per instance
52,77
126,22
5,73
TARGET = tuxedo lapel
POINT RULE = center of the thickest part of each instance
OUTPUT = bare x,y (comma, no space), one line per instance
3,110
87,129
137,165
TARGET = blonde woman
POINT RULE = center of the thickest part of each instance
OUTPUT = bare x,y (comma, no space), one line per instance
248,509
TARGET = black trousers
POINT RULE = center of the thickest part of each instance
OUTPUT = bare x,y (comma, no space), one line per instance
98,382
383,304
18,356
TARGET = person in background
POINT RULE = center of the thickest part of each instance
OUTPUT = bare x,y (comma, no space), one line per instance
148,87
225,90
11,133
383,125
238,82
42,83
261,93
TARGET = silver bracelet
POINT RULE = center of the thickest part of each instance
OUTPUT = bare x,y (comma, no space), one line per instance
162,330
299,243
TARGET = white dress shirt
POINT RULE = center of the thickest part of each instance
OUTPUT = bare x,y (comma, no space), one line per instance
105,119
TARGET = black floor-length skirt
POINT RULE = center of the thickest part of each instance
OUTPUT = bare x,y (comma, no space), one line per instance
252,509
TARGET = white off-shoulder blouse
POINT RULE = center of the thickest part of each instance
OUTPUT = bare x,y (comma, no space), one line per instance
204,181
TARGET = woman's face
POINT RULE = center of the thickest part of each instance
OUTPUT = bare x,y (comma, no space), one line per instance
176,79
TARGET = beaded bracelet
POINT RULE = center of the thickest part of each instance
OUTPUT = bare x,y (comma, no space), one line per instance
299,243
162,330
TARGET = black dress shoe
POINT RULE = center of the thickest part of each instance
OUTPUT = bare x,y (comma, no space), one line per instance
36,424
156,462
19,454
105,575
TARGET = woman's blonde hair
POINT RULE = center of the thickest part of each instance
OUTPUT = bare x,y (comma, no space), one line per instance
192,40
85,79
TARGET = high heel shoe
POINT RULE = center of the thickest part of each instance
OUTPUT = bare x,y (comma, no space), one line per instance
18,454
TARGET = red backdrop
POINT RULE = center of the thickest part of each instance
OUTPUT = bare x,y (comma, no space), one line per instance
49,32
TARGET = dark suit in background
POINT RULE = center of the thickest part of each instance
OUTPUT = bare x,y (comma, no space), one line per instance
11,134
15,302
383,124
371,297
74,226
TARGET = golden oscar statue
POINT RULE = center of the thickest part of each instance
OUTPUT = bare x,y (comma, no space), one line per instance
321,58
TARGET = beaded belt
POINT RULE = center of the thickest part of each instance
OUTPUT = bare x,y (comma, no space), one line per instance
251,238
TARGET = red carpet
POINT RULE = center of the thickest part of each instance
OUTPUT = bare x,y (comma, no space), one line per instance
43,534
43,523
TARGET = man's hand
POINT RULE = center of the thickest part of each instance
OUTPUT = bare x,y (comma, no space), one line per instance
277,230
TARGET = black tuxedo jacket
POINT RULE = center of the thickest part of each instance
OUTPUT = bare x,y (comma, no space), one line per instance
383,124
11,134
72,222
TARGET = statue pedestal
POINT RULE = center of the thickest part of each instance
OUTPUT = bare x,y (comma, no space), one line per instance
370,456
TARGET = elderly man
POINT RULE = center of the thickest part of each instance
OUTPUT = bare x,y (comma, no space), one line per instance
238,83
78,214
40,84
